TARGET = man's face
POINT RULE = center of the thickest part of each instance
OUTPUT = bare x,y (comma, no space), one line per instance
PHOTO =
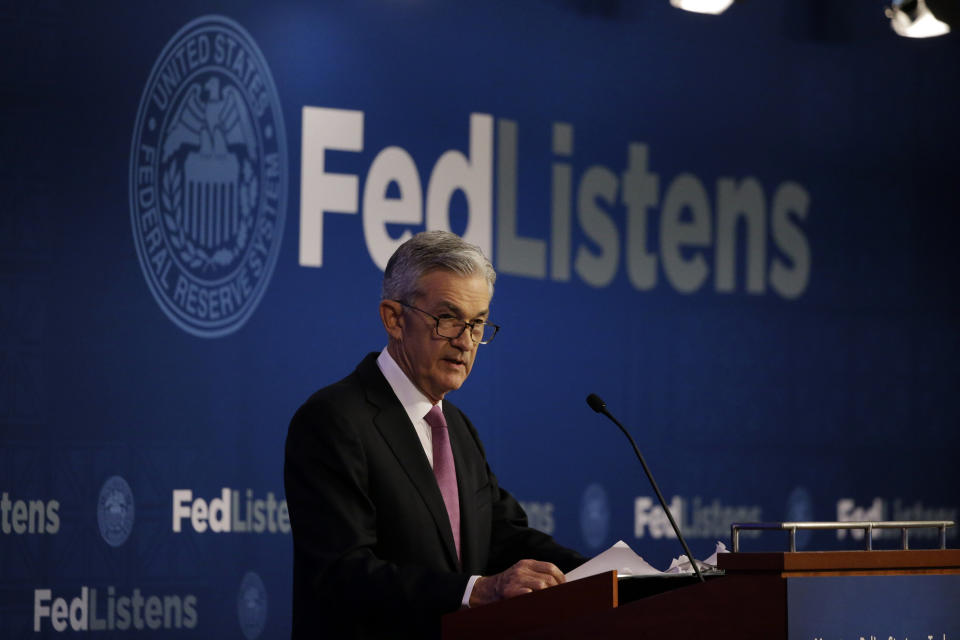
437,365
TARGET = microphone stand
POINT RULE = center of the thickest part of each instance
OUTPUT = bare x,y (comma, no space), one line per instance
600,406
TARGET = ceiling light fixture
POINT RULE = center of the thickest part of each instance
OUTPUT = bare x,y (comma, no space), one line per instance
703,6
913,19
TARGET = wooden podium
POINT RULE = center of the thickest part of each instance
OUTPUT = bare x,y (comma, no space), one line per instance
760,595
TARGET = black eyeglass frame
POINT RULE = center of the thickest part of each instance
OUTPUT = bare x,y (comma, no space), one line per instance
472,325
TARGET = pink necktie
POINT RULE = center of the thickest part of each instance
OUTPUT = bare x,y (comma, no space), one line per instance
444,470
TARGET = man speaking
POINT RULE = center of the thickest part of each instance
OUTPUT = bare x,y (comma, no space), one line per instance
397,519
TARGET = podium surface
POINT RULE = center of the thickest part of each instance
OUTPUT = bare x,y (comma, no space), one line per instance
796,595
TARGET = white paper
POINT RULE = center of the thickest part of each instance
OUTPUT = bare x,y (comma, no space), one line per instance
682,564
622,559
619,557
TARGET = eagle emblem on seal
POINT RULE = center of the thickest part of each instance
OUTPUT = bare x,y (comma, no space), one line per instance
210,200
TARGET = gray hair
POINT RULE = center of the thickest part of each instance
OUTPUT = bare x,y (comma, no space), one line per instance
429,251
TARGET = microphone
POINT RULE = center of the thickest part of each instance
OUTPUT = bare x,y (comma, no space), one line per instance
600,406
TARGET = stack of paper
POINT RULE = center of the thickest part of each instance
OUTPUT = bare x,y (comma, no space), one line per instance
621,558
682,564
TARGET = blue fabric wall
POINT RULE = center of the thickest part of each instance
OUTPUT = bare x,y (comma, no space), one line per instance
739,230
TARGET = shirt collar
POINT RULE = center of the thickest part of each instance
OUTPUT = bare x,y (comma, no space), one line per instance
414,402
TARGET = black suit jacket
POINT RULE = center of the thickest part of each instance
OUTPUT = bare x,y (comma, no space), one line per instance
373,550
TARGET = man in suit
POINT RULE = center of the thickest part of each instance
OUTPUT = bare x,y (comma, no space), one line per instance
397,518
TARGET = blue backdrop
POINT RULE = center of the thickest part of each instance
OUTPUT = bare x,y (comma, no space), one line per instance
740,231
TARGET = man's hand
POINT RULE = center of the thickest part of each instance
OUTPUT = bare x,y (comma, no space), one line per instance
524,577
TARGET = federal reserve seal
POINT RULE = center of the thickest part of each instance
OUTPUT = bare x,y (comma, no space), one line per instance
115,511
208,177
800,509
252,606
594,515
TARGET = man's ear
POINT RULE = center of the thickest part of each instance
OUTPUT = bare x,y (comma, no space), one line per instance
391,314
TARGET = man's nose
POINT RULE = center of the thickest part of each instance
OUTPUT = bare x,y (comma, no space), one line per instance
464,341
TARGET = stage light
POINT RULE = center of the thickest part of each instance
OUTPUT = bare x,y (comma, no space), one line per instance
913,19
702,6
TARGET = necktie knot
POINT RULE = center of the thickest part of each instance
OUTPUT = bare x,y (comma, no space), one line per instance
435,418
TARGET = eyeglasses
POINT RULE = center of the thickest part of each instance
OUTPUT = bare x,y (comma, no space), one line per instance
452,328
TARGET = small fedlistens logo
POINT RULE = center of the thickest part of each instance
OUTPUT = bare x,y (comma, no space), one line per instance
115,511
252,606
208,177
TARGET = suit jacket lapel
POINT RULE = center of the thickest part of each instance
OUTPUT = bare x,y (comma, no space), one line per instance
394,426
